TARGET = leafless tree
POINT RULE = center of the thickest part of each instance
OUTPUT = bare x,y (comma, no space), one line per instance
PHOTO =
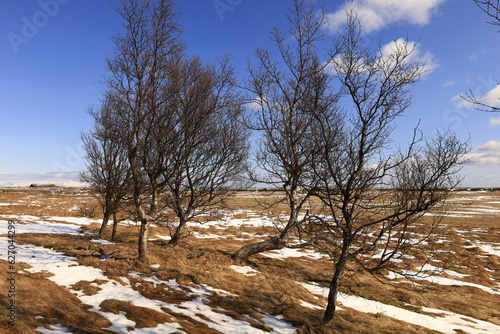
108,172
139,71
210,145
371,190
480,105
491,8
284,91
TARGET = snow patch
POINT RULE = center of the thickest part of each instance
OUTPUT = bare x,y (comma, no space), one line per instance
102,242
448,325
54,329
245,270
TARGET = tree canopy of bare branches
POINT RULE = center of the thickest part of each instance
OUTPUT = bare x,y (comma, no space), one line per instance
170,136
108,172
285,92
471,98
139,71
491,8
174,122
371,190
210,149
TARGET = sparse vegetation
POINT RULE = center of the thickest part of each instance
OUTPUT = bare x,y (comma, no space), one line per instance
185,274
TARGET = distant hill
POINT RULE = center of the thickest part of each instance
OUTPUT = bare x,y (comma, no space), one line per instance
43,185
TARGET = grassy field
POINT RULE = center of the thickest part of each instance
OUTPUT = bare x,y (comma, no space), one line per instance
67,279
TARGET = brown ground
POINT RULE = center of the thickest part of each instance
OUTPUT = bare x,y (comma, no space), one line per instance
472,220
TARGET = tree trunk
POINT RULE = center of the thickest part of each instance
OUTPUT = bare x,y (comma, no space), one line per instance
104,224
143,241
246,251
334,289
287,232
273,243
178,233
115,222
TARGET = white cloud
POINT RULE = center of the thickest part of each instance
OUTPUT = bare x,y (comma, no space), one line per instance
491,98
378,14
401,46
486,154
460,101
449,83
494,121
477,55
480,176
417,55
257,103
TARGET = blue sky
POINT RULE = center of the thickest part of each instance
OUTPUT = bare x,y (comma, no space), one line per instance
53,54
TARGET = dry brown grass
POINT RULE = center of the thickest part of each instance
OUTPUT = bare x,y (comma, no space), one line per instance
41,302
142,316
199,261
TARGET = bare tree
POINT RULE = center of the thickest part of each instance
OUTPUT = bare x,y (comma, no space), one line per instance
283,92
210,145
491,8
108,172
371,191
480,105
139,71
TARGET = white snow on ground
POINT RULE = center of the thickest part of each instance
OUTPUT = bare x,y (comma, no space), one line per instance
284,253
208,236
21,218
445,281
430,273
309,305
102,242
249,222
65,268
75,220
447,324
66,271
219,291
54,329
490,248
485,209
450,215
245,270
436,270
31,224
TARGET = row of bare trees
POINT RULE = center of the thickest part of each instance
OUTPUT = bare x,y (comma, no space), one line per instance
168,134
171,133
